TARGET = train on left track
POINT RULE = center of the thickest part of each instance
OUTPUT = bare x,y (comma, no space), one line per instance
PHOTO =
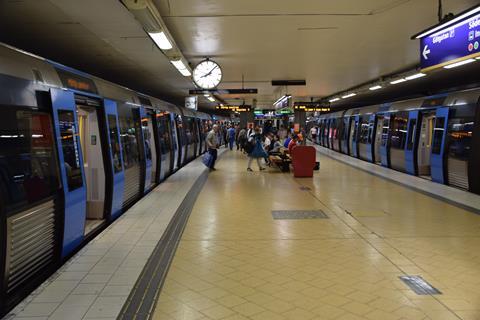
76,152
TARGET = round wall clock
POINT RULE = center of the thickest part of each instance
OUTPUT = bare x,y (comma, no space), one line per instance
207,74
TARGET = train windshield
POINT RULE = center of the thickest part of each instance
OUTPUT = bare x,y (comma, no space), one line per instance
28,164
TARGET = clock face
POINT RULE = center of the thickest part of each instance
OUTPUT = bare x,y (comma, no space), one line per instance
207,74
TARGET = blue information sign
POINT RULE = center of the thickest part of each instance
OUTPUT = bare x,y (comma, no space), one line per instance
454,42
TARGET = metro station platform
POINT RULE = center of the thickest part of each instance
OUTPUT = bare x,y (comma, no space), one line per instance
236,261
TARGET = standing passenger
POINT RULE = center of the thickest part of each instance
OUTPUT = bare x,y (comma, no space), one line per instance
231,137
213,144
257,151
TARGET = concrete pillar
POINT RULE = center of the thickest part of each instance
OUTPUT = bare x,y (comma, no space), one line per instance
300,118
246,117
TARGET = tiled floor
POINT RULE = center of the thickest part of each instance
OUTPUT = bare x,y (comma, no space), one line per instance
236,262
96,282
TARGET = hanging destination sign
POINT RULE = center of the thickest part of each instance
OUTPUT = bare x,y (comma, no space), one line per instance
453,43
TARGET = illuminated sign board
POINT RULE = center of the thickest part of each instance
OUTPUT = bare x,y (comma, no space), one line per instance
234,108
451,44
76,82
310,107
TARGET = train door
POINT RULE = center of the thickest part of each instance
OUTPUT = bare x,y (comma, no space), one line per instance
345,135
411,144
424,148
71,169
385,146
351,135
115,157
371,126
437,159
149,149
377,141
355,128
130,137
173,133
93,165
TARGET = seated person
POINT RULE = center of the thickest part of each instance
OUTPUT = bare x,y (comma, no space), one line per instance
287,141
292,144
276,145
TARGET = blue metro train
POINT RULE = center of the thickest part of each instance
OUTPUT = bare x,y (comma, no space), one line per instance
75,152
436,137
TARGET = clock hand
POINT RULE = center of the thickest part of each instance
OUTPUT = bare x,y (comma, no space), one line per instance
209,73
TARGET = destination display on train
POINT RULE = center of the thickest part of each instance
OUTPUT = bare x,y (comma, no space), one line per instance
456,42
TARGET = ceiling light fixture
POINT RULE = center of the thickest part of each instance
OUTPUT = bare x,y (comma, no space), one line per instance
334,99
181,67
211,99
398,81
458,64
349,95
160,38
415,76
375,88
282,99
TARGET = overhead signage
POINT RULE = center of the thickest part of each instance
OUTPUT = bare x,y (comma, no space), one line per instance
243,108
310,107
224,91
453,43
191,102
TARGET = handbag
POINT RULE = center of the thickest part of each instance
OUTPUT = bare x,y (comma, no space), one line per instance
207,159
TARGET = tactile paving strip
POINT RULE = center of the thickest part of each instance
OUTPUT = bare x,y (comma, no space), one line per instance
298,214
419,285
142,299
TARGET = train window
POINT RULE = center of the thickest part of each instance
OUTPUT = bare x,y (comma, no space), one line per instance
363,127
385,131
128,136
28,165
114,143
163,133
345,128
399,131
460,130
371,127
147,137
438,135
355,125
411,134
71,157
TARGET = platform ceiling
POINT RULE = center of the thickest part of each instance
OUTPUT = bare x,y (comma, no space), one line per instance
333,45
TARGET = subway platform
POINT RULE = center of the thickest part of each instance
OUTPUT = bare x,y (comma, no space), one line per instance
265,245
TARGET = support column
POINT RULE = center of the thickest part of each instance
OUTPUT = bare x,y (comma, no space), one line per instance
246,117
300,118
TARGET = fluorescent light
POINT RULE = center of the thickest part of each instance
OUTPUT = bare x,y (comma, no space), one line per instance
449,23
460,63
282,99
181,67
206,95
211,99
349,95
375,88
160,38
478,58
333,100
398,81
415,76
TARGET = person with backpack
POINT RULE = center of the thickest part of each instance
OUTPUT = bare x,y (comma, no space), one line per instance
257,152
242,139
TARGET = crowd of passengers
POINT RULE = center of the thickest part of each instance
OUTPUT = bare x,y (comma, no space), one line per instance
258,143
